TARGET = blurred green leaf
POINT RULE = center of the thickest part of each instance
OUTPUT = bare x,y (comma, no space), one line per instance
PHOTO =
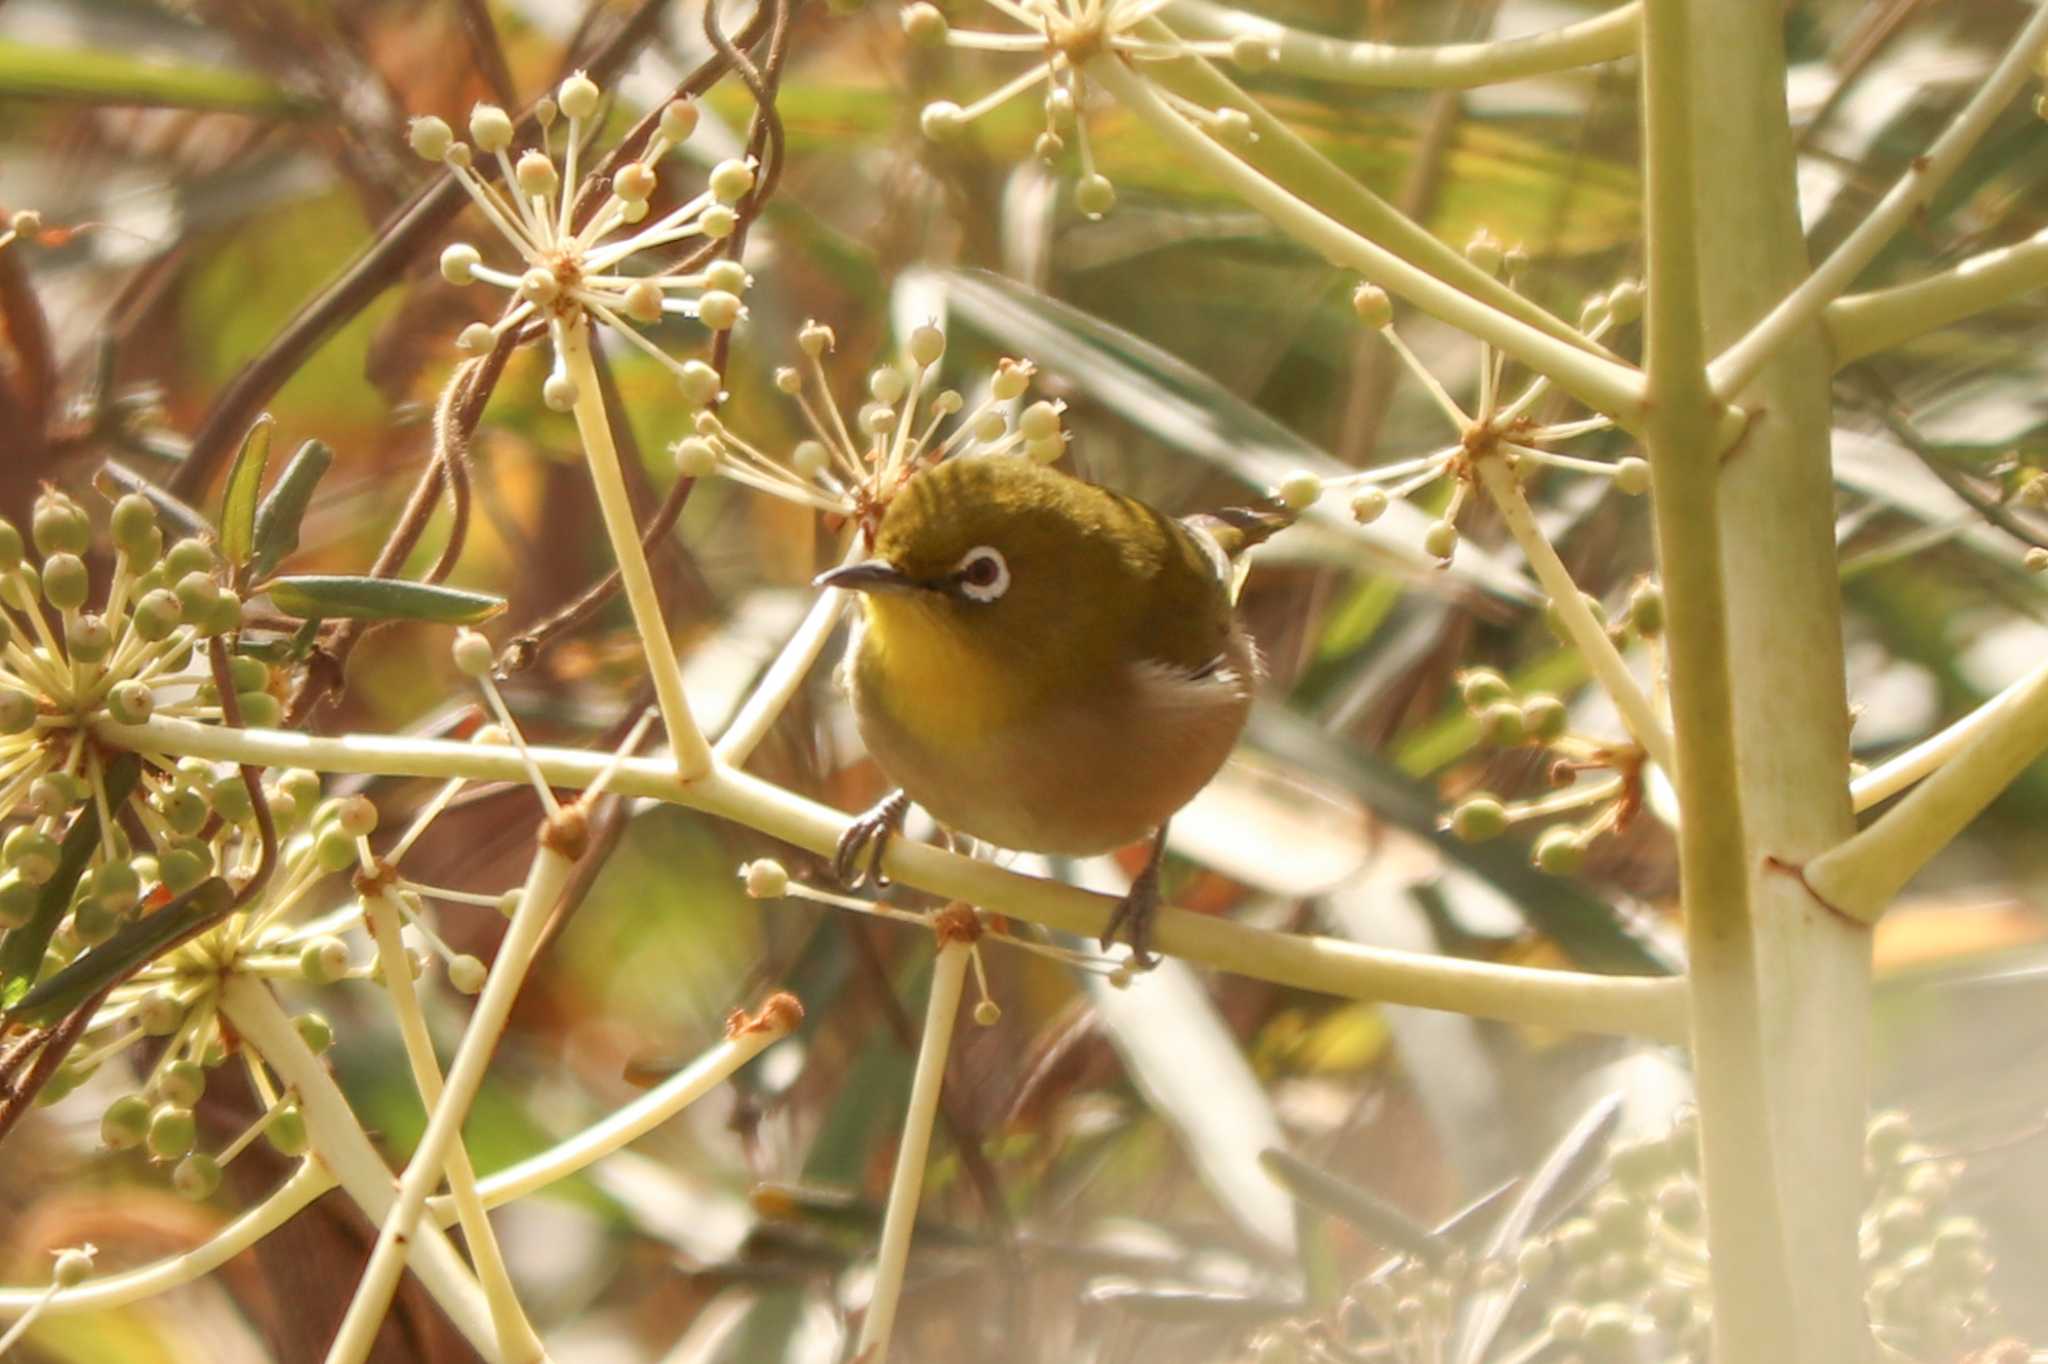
278,516
349,597
32,71
136,944
244,485
21,955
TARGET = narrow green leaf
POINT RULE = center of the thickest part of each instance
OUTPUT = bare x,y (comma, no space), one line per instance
21,955
138,942
245,484
1380,1220
345,597
279,514
97,76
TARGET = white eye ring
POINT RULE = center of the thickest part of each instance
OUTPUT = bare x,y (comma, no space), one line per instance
983,573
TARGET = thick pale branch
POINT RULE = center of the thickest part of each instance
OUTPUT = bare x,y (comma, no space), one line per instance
1860,877
1630,1005
1863,324
1604,385
1901,770
1450,66
1913,191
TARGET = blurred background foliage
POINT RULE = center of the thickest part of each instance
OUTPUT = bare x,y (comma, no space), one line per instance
206,167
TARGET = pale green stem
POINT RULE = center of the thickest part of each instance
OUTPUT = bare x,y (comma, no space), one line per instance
746,1037
1908,197
307,1183
1629,1005
1863,324
785,675
340,1142
21,1328
686,741
1450,66
1901,770
544,881
516,1336
1752,1277
1604,385
1602,658
942,1010
1861,877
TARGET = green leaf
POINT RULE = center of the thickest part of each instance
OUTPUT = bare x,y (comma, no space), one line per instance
138,942
97,76
21,955
346,597
1182,407
245,484
278,515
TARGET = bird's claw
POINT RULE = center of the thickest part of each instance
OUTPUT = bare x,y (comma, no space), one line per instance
1132,919
858,858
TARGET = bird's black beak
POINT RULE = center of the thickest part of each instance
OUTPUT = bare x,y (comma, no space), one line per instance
871,575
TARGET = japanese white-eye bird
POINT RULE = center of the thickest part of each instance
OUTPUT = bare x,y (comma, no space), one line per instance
1046,665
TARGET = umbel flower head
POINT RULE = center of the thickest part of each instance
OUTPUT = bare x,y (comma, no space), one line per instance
1062,36
853,469
567,271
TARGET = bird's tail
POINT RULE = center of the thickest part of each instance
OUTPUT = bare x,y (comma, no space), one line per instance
1237,529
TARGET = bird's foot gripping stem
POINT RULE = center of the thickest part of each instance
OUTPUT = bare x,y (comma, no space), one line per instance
858,858
1132,920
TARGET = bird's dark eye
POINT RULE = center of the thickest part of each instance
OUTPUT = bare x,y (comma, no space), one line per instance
982,573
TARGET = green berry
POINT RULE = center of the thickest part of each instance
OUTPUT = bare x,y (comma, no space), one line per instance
188,556
249,674
94,921
171,1131
17,900
334,850
59,526
184,809
1544,717
181,869
31,852
260,710
196,1176
1560,851
129,701
11,548
182,1083
1646,609
1501,724
287,1131
133,520
301,785
315,1031
65,581
1481,687
17,711
125,1123
323,960
229,796
156,614
1478,818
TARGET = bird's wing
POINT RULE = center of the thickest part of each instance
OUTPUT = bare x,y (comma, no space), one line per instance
1236,529
1224,681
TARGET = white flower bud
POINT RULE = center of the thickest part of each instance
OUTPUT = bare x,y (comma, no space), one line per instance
634,181
1253,51
1625,301
540,286
696,457
633,211
988,1013
717,222
466,973
718,310
809,458
1047,147
948,402
678,119
1441,539
1059,106
1094,195
1046,451
544,111
1234,126
2035,560
989,427
877,418
643,302
1372,305
1369,506
788,381
699,383
728,275
476,339
927,346
472,653
1299,490
887,384
1040,421
1484,251
430,137
1012,377
459,155
578,96
490,128
1632,476
72,1267
458,259
942,120
730,181
537,175
924,25
765,879
559,392
815,338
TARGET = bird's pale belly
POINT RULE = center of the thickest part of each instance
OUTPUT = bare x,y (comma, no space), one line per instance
1062,780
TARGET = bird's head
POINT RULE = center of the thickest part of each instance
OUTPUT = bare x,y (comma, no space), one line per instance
1006,557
